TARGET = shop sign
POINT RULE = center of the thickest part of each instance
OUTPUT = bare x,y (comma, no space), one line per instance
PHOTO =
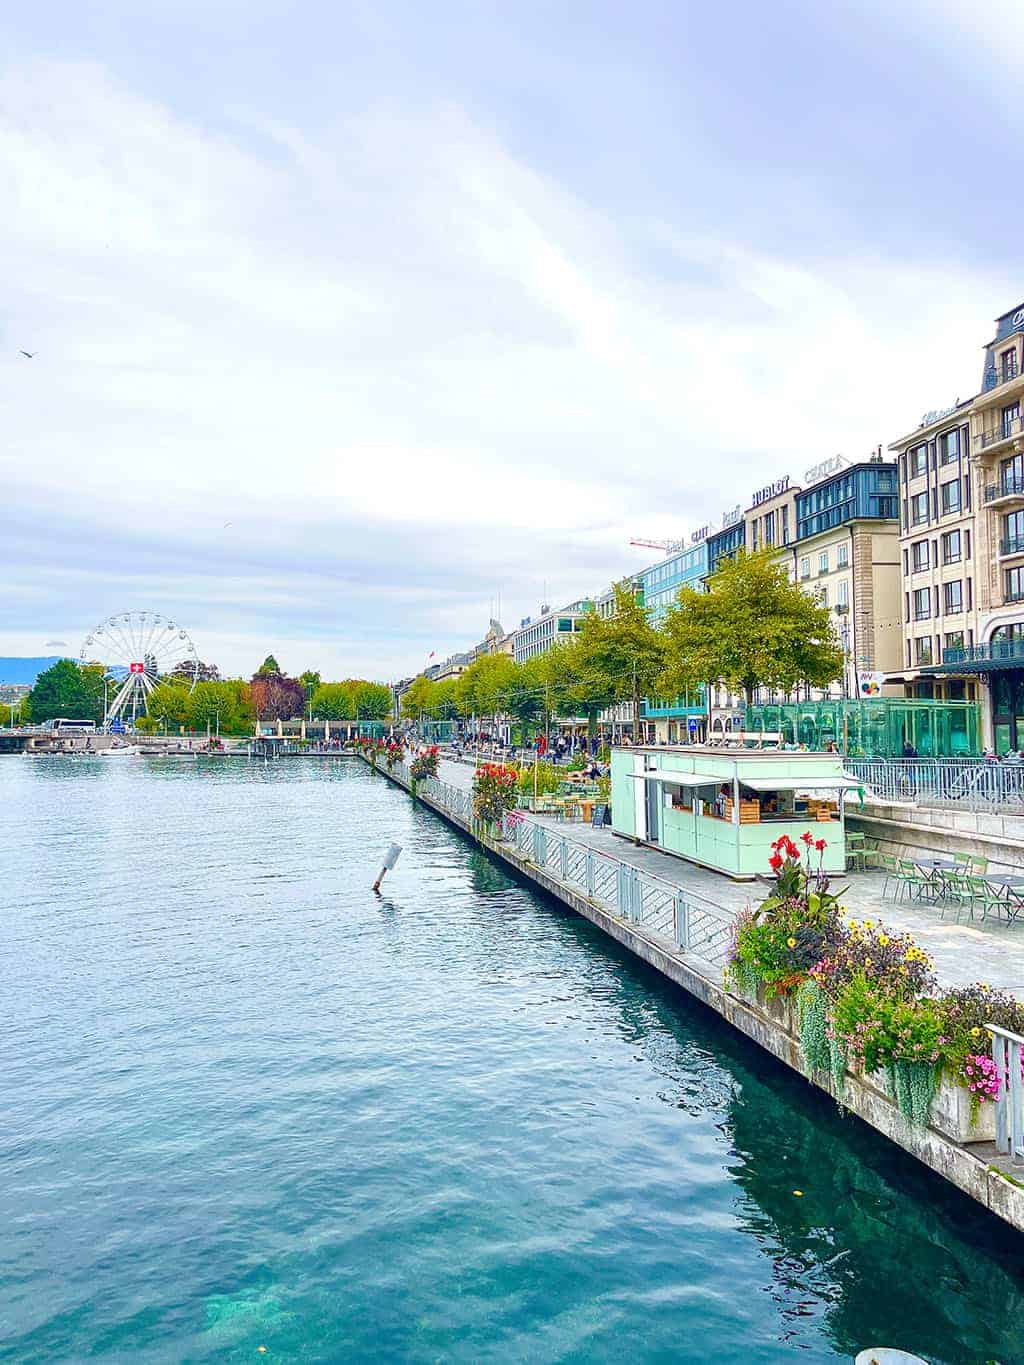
701,533
821,471
936,415
771,490
731,518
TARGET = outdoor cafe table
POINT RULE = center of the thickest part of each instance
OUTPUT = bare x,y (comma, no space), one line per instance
1010,882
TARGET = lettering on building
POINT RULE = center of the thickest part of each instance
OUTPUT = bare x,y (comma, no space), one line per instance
701,533
771,490
821,471
731,518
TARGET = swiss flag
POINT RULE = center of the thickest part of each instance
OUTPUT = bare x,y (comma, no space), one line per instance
136,668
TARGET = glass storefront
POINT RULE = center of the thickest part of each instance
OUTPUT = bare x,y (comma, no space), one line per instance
875,729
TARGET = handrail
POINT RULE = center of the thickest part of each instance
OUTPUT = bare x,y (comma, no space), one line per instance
686,919
1007,1054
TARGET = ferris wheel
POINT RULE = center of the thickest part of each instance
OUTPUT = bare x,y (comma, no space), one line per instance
137,648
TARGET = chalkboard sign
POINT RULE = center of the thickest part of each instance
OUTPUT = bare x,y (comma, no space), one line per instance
602,815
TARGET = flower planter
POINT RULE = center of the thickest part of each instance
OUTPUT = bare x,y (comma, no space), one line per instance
951,1114
781,1010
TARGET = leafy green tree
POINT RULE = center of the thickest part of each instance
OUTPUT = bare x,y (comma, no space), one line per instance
372,700
221,705
68,689
169,704
621,656
334,701
753,627
269,666
479,690
310,680
522,698
419,698
578,689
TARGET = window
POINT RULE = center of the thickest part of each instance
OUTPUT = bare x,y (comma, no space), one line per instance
823,595
1011,474
843,556
1011,419
919,508
784,518
922,603
953,598
951,547
918,461
923,650
1008,364
1013,533
919,551
954,640
950,496
823,562
949,446
805,568
769,529
843,594
1015,585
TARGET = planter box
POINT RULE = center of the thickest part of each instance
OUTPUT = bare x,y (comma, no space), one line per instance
951,1115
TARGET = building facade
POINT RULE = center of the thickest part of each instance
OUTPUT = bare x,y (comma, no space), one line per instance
674,720
550,628
961,474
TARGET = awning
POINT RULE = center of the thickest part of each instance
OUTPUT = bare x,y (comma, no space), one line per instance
800,784
678,779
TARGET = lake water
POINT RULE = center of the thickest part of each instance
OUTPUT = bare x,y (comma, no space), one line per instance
248,1103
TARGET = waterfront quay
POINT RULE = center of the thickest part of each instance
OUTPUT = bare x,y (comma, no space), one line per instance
678,918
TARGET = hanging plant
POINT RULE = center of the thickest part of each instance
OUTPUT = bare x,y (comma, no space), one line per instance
814,1040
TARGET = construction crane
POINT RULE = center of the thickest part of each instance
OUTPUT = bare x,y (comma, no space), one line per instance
668,546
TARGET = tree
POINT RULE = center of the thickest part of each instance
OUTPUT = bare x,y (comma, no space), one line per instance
310,680
623,654
419,698
168,703
68,689
523,699
224,706
274,696
575,687
270,666
479,690
334,701
752,627
186,671
372,700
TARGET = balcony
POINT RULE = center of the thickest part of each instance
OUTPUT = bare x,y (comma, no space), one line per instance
1010,486
997,376
984,658
1005,430
1011,545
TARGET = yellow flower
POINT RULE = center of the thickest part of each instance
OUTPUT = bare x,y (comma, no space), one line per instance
790,942
975,1032
869,924
883,939
867,962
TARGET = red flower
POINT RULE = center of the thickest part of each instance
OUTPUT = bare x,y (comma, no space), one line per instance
819,844
807,837
775,862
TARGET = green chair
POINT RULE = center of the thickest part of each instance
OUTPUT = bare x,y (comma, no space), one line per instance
917,881
956,890
978,864
872,854
963,860
854,851
987,897
891,867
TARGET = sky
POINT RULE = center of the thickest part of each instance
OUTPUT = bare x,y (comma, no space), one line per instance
356,324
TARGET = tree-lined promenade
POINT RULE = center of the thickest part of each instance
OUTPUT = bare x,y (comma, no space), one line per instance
752,628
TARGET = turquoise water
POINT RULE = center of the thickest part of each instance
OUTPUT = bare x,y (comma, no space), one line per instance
247,1103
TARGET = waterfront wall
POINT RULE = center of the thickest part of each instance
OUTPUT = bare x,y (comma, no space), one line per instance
941,1146
928,832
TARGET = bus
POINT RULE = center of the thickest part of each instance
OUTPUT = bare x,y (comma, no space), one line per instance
64,728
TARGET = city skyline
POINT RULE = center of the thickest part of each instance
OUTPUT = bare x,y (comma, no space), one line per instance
342,328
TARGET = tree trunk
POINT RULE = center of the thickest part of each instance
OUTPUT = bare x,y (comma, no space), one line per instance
636,712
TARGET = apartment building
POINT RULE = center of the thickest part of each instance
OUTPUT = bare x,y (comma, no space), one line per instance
550,627
962,545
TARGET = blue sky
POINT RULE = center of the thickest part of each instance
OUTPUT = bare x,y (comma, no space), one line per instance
355,318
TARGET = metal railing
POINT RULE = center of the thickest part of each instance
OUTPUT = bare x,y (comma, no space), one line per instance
1007,1054
1012,545
996,651
685,920
971,784
1010,485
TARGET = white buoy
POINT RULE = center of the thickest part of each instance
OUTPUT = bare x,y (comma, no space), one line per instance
390,858
888,1355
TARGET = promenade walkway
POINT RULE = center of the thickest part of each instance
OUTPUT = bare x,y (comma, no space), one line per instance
964,952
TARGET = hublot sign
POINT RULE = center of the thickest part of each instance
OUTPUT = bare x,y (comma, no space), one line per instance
772,490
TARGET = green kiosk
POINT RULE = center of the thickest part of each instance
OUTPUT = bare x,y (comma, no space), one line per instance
724,807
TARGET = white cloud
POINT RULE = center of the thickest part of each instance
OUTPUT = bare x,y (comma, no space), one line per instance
391,351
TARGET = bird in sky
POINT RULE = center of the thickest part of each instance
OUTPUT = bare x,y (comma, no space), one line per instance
226,525
30,354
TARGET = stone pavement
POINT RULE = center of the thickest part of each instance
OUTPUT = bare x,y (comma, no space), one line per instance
964,951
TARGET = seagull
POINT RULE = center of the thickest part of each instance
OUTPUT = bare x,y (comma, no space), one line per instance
226,525
30,354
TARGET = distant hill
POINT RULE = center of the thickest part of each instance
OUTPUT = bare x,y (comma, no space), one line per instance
26,670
